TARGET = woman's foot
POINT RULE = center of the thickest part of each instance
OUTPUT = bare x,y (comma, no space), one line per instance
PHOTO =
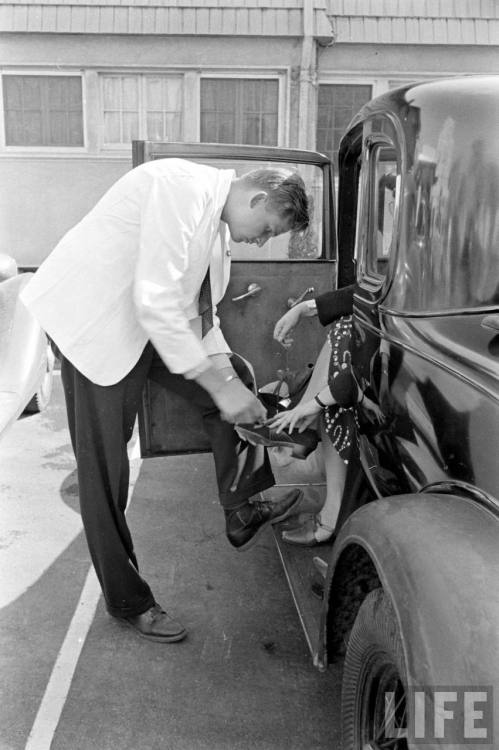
309,533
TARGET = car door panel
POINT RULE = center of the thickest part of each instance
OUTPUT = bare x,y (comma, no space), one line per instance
287,268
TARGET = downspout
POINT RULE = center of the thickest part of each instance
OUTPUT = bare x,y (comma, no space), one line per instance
308,77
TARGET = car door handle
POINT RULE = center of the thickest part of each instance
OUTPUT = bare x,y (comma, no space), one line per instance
292,301
252,290
491,321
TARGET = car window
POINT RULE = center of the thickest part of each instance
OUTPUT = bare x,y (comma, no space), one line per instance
307,245
379,178
450,252
290,245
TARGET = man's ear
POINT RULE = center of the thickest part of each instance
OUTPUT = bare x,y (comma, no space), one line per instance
257,198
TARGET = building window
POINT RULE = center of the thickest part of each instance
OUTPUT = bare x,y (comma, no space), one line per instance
337,104
142,106
239,110
43,110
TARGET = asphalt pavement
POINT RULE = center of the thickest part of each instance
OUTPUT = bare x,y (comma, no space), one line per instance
73,678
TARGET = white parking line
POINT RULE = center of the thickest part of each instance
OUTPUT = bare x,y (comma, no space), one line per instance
58,686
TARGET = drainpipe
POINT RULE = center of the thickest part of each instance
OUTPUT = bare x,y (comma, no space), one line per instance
308,79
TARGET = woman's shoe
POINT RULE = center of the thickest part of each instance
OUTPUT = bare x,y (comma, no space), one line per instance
301,443
309,505
309,533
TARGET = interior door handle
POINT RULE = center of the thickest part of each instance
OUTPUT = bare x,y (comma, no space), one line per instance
252,290
292,301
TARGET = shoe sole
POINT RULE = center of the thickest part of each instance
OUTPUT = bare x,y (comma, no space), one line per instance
268,523
297,451
311,543
156,638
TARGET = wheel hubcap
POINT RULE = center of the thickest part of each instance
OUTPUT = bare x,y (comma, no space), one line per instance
384,720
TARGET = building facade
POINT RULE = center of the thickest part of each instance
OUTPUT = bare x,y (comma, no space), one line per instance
80,79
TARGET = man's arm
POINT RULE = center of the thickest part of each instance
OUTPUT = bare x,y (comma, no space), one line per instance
170,216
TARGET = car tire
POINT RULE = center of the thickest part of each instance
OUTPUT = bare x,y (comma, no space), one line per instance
41,399
374,667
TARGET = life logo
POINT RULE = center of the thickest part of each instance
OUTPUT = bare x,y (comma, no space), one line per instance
443,715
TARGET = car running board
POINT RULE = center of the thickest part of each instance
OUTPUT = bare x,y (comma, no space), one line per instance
300,573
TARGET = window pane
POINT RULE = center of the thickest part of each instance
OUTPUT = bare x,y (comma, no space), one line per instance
239,111
337,104
155,126
121,108
43,110
173,126
130,127
142,106
164,104
112,129
130,92
382,199
111,93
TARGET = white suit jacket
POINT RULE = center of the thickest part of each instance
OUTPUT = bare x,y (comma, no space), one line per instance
132,269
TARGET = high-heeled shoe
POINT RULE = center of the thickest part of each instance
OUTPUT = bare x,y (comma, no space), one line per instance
309,533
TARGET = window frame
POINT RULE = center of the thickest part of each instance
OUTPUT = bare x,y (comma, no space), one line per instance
142,114
282,99
340,81
48,150
367,220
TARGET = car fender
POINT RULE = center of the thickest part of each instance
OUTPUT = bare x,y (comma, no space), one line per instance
437,558
23,347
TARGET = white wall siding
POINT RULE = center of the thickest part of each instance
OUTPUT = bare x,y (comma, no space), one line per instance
415,21
213,17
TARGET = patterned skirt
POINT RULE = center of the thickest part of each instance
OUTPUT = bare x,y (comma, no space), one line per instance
341,420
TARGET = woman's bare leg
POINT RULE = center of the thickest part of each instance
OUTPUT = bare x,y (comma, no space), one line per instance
335,469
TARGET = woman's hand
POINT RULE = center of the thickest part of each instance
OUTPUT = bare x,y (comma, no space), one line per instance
285,325
299,418
376,413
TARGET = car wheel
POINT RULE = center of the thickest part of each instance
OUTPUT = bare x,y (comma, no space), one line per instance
41,399
374,706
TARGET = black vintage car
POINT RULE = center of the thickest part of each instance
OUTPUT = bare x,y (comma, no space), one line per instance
410,599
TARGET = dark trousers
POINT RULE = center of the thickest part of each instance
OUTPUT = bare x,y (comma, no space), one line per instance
101,421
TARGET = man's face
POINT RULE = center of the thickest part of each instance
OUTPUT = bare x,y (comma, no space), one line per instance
254,223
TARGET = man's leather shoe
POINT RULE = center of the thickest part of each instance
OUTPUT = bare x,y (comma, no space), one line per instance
245,523
156,625
301,443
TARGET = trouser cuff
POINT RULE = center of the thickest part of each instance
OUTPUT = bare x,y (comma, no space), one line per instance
232,500
132,610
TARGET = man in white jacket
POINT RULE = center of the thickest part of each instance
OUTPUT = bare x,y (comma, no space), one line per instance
131,290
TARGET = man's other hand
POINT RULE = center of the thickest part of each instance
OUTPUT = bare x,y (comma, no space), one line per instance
238,404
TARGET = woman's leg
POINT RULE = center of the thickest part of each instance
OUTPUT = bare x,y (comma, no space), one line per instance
336,471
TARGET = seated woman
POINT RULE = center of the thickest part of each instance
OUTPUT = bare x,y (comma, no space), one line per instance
328,405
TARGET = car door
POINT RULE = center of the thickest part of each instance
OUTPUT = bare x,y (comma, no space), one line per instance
374,165
264,283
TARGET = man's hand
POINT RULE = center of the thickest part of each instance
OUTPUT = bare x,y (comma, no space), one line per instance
238,404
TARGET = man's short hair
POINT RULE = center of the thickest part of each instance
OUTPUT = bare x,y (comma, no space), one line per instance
286,194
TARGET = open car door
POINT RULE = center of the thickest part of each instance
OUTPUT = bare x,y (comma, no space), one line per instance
264,283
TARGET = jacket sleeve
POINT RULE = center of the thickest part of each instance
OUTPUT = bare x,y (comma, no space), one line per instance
171,213
335,304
